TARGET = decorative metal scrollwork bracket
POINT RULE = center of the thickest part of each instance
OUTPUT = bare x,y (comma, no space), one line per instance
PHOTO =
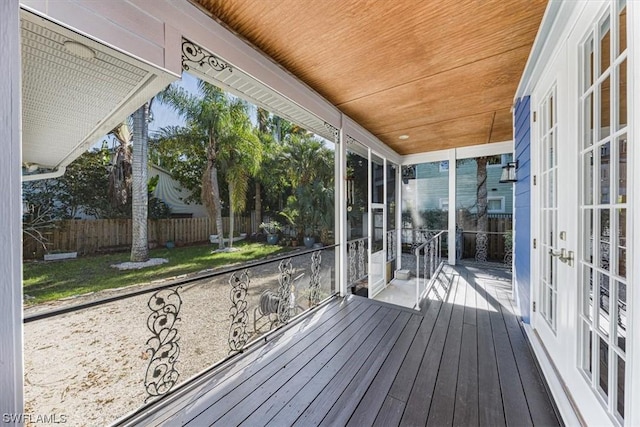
314,282
351,140
163,347
239,313
361,255
353,266
482,242
284,291
195,55
335,131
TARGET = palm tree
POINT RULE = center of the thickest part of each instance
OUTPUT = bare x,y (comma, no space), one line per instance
140,196
205,144
310,171
120,173
239,155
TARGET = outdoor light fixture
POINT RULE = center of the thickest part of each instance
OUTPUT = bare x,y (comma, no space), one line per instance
78,49
509,172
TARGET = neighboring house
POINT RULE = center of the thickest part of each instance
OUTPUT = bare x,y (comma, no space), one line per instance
431,186
173,194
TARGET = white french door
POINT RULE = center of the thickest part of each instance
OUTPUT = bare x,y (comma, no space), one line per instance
580,139
602,260
555,209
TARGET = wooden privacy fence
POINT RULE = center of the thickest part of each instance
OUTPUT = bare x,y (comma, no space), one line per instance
498,226
104,235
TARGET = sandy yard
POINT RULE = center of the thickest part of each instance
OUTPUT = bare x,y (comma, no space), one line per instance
89,365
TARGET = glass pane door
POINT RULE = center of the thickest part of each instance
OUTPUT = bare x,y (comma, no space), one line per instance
603,205
377,266
549,245
378,228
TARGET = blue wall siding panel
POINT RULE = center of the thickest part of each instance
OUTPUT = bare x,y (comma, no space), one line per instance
522,235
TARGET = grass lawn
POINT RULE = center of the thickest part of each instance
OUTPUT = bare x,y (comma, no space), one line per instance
52,280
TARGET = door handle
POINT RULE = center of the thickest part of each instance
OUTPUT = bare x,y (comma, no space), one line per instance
559,254
563,255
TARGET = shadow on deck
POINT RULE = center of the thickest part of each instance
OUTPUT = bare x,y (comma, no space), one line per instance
462,360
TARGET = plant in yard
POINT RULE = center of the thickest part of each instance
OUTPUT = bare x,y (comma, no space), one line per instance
271,227
508,240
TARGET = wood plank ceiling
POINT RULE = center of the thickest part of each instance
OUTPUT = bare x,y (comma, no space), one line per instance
442,72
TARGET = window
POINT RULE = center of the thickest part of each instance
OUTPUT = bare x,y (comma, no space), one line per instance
444,204
495,204
494,160
499,159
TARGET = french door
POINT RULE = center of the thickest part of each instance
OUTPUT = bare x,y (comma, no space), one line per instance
555,209
580,142
602,262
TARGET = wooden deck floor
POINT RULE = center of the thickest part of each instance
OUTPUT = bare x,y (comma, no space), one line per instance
462,361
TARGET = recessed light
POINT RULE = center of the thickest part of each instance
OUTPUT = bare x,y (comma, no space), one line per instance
403,137
79,50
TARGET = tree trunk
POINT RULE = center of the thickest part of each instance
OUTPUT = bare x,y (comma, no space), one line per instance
258,206
210,193
231,215
481,195
215,193
140,202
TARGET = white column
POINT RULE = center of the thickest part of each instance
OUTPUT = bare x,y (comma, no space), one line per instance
11,395
341,213
399,217
452,207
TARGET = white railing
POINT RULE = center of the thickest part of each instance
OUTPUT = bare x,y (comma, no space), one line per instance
429,257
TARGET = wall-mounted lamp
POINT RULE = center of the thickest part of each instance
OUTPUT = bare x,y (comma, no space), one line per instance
509,172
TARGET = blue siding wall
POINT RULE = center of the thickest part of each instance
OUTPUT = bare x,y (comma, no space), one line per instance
522,237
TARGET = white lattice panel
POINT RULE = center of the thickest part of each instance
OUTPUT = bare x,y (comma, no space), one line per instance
70,102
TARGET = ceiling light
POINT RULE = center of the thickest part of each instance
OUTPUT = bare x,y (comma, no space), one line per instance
79,50
403,137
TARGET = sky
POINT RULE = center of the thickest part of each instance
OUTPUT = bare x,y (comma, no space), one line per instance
165,116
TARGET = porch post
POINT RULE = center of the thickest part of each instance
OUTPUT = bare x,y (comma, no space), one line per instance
341,212
399,217
451,235
11,394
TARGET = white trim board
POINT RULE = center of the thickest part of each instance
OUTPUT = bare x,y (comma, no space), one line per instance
11,372
558,390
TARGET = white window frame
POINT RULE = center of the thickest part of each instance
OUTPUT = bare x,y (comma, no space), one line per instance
444,201
502,204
